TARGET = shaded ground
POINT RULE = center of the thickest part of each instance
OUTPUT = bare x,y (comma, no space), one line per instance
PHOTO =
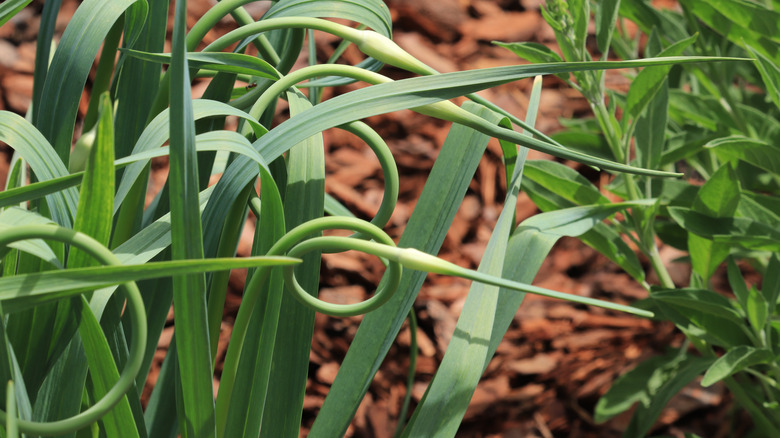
556,359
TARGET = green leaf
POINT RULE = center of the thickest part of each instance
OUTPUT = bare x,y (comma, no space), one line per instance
44,162
228,62
17,292
757,309
533,52
103,372
650,80
96,198
749,15
37,247
742,232
650,136
444,404
760,208
304,200
606,17
69,69
420,91
770,73
701,300
564,182
737,283
734,20
441,196
577,220
703,314
9,8
652,384
718,197
756,152
734,361
156,133
771,284
195,406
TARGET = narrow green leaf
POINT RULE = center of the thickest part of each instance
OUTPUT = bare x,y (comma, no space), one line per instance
9,8
734,361
132,107
446,186
196,405
17,292
44,162
703,314
650,80
96,198
771,284
754,151
103,372
157,132
652,383
444,404
564,182
733,19
738,231
770,73
577,220
69,69
757,309
533,52
650,134
606,17
718,197
304,200
227,62
700,299
737,283
39,248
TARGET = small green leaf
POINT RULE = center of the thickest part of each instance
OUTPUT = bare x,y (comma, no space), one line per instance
533,52
577,220
739,231
737,283
564,182
701,300
770,73
96,197
227,62
734,361
703,314
718,197
652,384
757,309
649,81
606,15
37,247
756,152
771,284
651,130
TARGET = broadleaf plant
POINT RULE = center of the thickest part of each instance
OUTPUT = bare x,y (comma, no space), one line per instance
705,121
90,270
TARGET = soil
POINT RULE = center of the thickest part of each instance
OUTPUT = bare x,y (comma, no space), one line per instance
556,359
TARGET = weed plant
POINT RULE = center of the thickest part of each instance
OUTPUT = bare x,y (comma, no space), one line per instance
89,272
717,122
